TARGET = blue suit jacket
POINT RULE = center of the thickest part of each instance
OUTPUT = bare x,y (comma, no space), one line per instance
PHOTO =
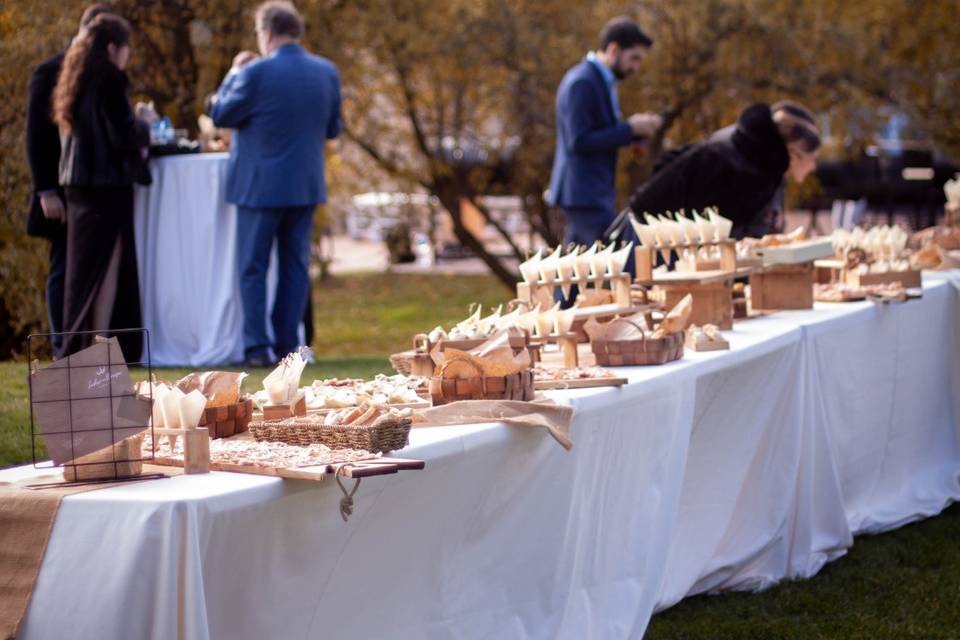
588,137
283,108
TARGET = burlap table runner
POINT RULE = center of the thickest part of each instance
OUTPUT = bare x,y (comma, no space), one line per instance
542,414
26,519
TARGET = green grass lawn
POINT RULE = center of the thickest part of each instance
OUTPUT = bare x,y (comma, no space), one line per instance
899,585
904,584
378,314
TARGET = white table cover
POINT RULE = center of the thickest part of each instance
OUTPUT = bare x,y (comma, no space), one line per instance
186,235
186,256
725,470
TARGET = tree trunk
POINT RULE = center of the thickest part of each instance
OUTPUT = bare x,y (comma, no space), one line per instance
450,199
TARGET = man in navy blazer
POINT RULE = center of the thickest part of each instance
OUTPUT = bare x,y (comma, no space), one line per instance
283,106
591,129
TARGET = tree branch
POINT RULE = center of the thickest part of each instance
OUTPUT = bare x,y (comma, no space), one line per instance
488,216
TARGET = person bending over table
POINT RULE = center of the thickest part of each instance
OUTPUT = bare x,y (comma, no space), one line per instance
103,150
283,107
740,169
591,128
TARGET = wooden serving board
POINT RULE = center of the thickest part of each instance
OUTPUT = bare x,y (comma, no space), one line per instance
691,277
361,469
579,383
609,309
886,298
797,252
846,297
405,405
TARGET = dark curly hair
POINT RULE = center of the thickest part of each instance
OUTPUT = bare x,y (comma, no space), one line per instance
86,50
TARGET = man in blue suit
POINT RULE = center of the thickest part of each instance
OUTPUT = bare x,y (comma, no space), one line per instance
283,106
591,129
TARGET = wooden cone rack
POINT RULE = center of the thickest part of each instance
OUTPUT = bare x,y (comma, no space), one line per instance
712,290
530,293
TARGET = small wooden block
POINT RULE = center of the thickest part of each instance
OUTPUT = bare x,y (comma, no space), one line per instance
196,450
621,289
296,408
568,344
707,345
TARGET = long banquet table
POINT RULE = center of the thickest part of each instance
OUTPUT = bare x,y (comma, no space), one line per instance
724,470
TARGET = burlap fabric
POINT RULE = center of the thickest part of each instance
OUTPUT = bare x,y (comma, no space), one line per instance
26,520
542,414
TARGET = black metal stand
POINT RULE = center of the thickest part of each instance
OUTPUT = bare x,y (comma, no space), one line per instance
111,395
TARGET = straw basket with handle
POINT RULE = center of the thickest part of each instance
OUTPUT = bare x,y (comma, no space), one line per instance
513,386
637,351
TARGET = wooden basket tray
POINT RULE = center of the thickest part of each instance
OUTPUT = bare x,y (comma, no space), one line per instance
381,437
516,386
646,351
223,422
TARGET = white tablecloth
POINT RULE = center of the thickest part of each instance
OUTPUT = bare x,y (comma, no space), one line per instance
187,256
725,470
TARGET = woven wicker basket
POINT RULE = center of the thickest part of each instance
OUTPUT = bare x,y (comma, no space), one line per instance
223,422
412,363
402,362
387,434
616,353
516,386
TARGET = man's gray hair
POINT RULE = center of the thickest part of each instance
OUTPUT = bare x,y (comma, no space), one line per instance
280,18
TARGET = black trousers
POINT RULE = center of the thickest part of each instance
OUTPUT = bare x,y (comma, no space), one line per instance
55,278
101,284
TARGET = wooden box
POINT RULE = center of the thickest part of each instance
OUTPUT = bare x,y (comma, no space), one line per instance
782,287
910,279
122,460
298,407
712,302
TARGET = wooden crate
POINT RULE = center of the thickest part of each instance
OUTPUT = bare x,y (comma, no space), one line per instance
782,287
712,301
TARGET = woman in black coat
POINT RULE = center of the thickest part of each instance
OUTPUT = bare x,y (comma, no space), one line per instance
103,150
739,169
